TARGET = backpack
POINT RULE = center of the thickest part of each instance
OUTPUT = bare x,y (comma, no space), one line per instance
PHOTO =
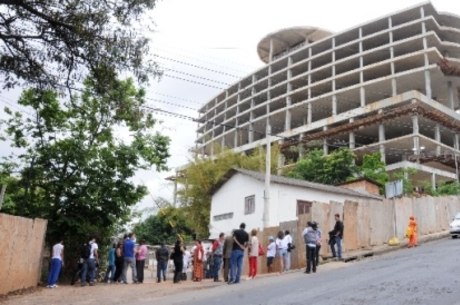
85,251
310,236
261,250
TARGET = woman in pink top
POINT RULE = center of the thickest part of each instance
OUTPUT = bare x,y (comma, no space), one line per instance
141,255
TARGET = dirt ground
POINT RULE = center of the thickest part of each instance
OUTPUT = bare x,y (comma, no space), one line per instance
103,293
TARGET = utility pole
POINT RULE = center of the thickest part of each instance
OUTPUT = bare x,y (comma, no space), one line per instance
266,215
2,195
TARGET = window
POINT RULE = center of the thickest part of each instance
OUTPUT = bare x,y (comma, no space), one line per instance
303,207
223,216
249,204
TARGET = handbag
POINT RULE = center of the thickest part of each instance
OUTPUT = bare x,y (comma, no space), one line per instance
261,250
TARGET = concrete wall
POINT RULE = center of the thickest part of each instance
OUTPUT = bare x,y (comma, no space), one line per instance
22,241
368,223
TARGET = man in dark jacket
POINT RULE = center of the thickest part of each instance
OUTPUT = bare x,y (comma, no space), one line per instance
162,256
336,236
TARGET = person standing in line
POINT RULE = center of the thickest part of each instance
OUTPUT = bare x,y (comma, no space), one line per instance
281,248
89,265
178,258
118,262
218,251
253,254
310,237
318,242
128,258
141,255
162,256
186,263
290,247
110,273
336,236
198,258
228,247
240,242
57,261
412,232
271,253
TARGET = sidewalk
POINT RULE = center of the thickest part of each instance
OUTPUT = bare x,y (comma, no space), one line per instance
376,250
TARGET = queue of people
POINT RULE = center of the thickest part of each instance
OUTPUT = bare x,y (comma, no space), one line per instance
227,253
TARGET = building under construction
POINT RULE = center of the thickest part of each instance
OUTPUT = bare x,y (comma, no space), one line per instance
389,85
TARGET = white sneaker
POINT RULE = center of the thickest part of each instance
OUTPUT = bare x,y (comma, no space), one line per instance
54,286
48,286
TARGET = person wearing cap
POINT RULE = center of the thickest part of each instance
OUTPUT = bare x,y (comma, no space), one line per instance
271,253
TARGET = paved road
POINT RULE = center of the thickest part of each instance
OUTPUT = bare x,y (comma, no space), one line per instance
428,274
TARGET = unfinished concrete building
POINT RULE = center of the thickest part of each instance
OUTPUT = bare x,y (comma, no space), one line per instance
390,85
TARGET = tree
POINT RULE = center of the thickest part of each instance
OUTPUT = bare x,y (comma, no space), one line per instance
168,225
73,169
56,43
373,168
202,175
334,168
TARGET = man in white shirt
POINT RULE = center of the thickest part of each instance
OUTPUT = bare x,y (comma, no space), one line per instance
89,265
288,241
57,261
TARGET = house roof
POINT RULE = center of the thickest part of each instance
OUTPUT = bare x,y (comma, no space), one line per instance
293,182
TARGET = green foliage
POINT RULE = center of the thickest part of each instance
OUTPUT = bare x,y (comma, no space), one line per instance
405,175
202,175
333,168
443,189
54,44
373,168
168,225
73,168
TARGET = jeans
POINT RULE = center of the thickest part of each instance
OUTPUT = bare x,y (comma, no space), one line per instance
129,262
216,266
161,270
140,264
89,265
337,241
236,265
110,273
311,258
53,275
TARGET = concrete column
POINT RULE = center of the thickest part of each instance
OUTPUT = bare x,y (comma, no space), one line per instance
433,181
235,138
428,91
450,94
301,147
309,73
281,161
381,140
325,146
309,114
222,144
251,125
362,92
437,138
334,96
351,137
415,132
270,52
392,55
287,125
456,143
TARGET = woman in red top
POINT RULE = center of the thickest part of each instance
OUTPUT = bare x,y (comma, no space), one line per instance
198,257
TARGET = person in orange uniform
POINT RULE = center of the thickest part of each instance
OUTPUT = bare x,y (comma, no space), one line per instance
412,232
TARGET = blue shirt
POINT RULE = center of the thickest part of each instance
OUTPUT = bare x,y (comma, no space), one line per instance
128,248
111,257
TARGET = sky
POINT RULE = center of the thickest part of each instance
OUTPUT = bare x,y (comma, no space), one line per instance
204,46
212,43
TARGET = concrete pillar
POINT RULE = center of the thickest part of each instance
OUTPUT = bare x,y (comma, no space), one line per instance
456,141
309,114
351,137
334,104
270,52
428,91
222,144
325,146
251,126
287,125
281,161
309,74
450,94
416,139
381,140
235,138
392,55
301,147
334,96
437,138
433,181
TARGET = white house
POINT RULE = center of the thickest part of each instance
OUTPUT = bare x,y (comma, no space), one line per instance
239,197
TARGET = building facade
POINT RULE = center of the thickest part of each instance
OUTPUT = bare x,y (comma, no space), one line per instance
239,197
389,85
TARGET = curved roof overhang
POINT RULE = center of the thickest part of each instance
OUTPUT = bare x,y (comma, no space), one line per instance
285,39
